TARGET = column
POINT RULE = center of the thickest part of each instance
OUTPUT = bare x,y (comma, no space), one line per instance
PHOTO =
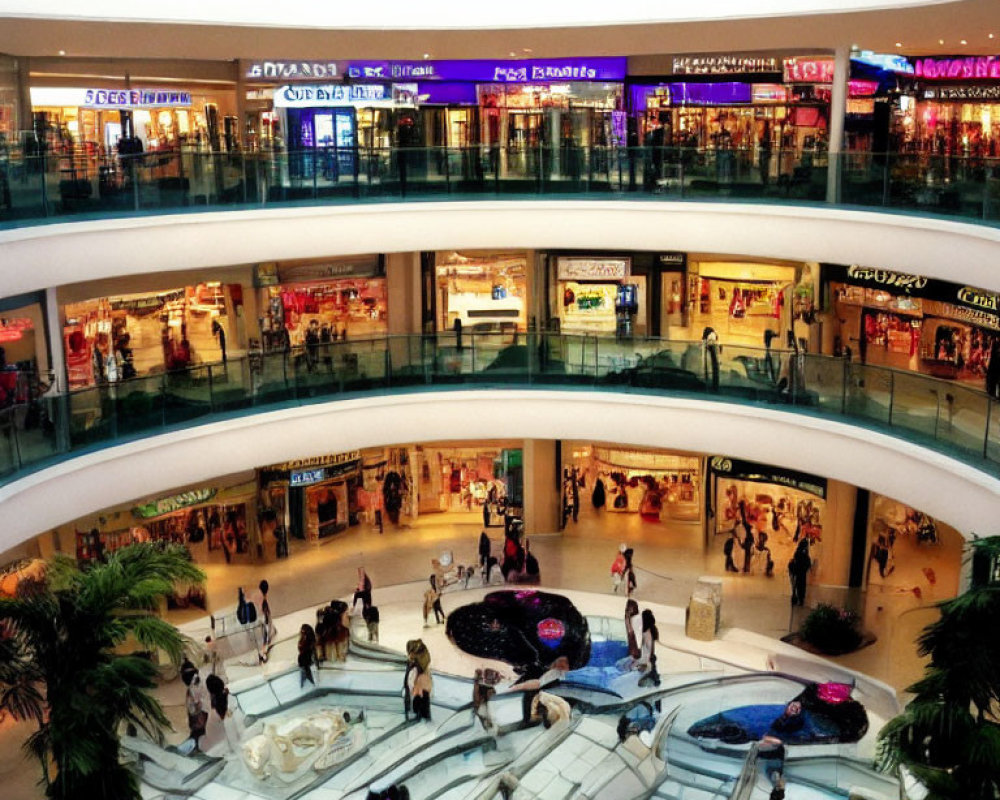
402,272
54,337
241,101
838,108
833,558
541,487
24,119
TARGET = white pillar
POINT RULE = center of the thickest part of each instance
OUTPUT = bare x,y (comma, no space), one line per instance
54,332
838,108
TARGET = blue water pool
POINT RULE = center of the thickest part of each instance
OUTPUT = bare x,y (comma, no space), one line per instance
601,670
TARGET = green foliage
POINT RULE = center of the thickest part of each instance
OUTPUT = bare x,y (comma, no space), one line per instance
62,663
832,630
948,735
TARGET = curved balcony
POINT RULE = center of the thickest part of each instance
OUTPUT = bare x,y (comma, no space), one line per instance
79,184
958,423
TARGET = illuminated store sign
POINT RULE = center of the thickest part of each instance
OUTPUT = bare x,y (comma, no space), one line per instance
484,71
593,269
168,505
317,461
808,70
738,469
957,68
330,94
769,93
292,71
963,93
885,61
724,65
134,98
885,277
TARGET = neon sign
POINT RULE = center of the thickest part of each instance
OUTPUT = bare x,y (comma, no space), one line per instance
134,98
291,70
808,70
955,68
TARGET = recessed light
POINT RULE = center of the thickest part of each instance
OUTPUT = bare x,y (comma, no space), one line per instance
963,42
529,50
512,54
991,35
899,44
940,41
62,52
426,56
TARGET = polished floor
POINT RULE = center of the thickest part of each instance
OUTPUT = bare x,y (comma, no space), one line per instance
669,559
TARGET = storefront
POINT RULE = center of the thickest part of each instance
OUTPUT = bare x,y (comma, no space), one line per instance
130,120
321,302
911,322
513,108
109,339
911,552
22,343
599,295
216,524
781,507
469,477
655,486
482,291
311,498
741,300
951,107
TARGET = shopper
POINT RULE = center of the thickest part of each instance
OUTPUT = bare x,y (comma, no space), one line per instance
798,572
421,692
618,568
628,578
647,654
439,616
710,342
631,612
748,545
531,685
378,504
269,631
371,617
194,701
312,344
484,553
307,654
482,692
363,591
728,548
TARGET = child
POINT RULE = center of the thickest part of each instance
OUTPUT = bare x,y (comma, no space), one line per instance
618,568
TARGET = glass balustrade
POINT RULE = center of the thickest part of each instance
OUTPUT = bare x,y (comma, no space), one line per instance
55,186
942,415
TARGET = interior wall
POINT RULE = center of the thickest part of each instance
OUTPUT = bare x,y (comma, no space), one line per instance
58,254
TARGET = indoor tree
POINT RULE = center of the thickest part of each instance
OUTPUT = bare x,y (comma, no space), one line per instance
948,736
65,662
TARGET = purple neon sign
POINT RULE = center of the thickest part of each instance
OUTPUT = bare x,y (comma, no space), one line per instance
970,67
539,70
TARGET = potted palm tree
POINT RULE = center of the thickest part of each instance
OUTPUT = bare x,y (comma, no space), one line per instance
948,737
62,663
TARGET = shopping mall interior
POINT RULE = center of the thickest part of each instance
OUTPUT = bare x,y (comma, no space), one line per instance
537,378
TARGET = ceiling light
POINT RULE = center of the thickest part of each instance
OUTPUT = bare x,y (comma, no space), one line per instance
963,42
62,52
529,50
940,41
991,35
426,56
512,54
899,44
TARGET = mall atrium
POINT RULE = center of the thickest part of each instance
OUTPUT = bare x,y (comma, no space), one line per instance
692,307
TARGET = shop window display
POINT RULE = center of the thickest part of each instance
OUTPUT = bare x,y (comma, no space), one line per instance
325,310
482,292
116,338
656,486
909,551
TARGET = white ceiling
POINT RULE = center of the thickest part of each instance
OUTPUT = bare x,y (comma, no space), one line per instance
271,30
437,14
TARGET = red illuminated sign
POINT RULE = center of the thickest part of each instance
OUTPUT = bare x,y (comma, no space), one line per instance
13,329
808,70
957,68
